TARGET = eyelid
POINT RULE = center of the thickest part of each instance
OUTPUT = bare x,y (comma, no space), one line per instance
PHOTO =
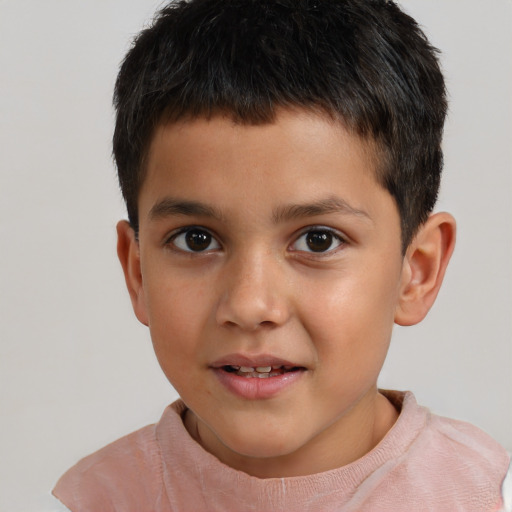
342,238
169,239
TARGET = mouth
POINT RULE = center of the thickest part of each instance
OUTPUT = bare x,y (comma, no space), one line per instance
257,377
260,372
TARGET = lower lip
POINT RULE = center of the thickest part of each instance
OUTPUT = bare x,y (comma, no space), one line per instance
254,388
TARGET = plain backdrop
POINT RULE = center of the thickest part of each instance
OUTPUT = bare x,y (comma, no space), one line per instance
77,370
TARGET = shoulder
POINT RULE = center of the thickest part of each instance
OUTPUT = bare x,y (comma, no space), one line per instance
448,442
466,447
466,462
461,463
111,471
123,476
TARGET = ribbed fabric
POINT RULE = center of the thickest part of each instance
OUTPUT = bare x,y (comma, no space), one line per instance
424,463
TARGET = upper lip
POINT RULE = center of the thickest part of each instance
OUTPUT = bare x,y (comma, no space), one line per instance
253,361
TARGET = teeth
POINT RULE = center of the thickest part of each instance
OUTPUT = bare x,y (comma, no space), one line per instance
263,369
261,372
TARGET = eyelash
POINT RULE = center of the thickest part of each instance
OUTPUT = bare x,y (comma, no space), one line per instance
171,240
332,235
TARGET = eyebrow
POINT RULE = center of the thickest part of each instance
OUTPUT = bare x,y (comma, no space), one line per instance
169,207
322,207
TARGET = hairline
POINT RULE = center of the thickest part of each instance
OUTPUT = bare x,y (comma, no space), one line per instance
376,151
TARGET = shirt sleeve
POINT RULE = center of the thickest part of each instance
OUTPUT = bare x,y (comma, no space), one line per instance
506,491
55,505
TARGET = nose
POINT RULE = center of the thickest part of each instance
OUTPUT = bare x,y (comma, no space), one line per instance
253,294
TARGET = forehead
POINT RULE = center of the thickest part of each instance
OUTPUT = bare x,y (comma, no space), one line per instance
299,157
294,130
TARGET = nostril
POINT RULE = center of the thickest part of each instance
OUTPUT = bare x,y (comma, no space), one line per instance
266,324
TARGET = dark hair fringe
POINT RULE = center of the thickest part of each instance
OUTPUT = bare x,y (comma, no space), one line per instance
363,62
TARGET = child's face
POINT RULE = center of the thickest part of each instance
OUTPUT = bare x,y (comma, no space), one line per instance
264,246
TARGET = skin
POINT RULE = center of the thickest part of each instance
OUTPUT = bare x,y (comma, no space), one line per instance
259,288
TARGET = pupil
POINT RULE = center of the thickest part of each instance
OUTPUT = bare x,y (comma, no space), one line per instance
319,241
198,240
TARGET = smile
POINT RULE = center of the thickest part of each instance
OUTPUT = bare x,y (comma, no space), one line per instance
259,372
257,378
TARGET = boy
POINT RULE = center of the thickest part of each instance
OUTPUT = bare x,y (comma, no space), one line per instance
280,160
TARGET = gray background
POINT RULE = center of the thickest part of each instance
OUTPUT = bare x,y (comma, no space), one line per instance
77,370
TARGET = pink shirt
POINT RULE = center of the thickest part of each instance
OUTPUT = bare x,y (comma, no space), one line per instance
425,462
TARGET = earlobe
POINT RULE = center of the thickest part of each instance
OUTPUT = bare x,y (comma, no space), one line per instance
129,256
424,267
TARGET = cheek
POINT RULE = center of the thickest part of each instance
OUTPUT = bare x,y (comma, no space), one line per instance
350,319
175,302
176,315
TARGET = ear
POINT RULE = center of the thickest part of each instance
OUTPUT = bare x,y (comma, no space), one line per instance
129,256
423,268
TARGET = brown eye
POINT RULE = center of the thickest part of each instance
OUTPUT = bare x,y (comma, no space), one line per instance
198,240
195,240
319,241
